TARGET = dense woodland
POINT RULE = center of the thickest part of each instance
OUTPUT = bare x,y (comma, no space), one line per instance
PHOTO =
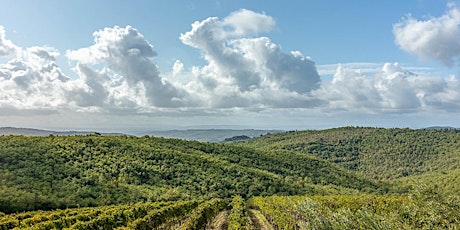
197,184
377,153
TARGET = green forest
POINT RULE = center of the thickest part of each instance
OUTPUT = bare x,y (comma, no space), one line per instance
342,178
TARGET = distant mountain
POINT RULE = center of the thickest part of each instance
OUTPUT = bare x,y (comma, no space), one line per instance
204,135
41,132
208,135
440,127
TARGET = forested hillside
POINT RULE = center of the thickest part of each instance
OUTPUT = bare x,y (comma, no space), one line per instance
376,152
58,172
445,182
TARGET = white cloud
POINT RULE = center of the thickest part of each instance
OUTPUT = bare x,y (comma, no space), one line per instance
31,80
245,22
6,46
391,90
253,71
434,38
362,67
127,56
46,53
178,67
446,97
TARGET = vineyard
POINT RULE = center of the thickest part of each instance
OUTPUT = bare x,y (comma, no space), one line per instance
160,215
420,210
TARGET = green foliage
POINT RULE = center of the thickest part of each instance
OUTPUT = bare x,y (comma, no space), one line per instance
376,152
446,182
279,210
144,182
107,217
297,168
203,214
238,217
119,216
85,171
431,209
157,217
313,215
423,209
131,216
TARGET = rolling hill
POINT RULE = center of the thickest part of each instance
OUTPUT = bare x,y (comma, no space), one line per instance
375,152
69,171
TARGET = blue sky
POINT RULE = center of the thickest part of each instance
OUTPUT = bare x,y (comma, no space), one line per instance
126,65
329,31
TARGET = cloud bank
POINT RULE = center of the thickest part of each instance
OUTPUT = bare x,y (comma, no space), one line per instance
391,90
244,72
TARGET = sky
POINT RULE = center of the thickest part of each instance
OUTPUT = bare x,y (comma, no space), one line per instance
125,66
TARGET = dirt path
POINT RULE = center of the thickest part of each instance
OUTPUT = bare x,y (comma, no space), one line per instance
220,221
259,221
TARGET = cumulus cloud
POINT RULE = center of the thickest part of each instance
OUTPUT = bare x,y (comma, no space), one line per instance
116,73
127,55
252,70
391,90
436,38
32,79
